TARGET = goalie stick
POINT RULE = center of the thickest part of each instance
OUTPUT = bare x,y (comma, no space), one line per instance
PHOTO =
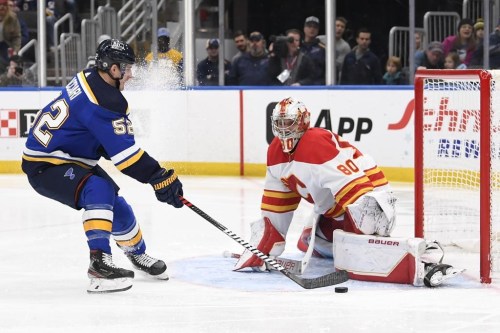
306,283
307,256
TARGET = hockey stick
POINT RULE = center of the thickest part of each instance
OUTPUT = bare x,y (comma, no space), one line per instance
307,256
291,265
307,283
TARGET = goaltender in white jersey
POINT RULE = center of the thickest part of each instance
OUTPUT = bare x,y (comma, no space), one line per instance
353,204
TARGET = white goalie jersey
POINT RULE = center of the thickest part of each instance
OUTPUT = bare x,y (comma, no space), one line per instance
324,169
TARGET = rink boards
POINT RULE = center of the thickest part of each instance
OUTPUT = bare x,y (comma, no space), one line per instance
227,131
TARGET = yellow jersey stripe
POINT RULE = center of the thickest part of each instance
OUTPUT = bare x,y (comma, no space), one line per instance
131,242
349,186
278,209
379,182
86,88
97,225
372,171
131,160
55,161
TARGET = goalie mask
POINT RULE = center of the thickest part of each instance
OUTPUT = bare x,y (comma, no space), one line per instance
114,51
290,120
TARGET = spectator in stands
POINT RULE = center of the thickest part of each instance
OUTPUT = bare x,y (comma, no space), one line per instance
418,41
431,58
479,30
494,41
167,57
25,36
479,33
361,66
393,74
16,74
464,42
51,16
242,44
452,61
70,6
287,65
314,49
10,33
341,46
251,68
207,70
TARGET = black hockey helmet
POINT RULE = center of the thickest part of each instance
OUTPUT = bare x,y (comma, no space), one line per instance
114,51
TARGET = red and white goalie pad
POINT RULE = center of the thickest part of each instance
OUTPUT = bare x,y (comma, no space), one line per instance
266,239
380,259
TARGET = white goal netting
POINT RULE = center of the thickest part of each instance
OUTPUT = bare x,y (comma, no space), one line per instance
452,169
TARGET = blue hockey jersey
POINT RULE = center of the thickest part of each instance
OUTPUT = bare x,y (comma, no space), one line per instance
87,121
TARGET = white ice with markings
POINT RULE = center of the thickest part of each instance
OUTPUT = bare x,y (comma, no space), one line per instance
44,258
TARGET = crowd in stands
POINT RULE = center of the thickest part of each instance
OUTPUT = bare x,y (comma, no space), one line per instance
15,33
299,57
294,59
208,69
462,50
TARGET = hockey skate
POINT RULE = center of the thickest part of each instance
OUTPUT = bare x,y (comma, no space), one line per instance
153,267
104,276
436,274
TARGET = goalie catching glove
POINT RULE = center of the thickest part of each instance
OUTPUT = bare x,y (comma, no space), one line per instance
167,187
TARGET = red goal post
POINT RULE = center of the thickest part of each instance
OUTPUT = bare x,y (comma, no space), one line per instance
457,168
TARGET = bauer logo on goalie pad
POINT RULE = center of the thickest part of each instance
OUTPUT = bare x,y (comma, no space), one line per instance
382,242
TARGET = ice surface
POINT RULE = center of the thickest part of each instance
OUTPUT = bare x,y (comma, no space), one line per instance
44,260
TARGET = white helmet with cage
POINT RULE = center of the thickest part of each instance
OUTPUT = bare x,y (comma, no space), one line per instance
290,120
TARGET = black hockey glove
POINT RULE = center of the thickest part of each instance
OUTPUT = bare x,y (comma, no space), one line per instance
167,187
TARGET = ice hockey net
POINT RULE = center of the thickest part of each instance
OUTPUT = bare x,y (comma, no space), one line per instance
457,162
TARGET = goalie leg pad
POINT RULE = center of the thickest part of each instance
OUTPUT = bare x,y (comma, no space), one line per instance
266,239
379,259
391,259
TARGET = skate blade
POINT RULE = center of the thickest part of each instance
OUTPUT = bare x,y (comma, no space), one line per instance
100,286
163,276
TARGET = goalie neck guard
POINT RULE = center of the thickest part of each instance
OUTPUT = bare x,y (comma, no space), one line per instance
290,120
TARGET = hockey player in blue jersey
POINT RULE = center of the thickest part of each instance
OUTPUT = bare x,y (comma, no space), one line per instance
87,121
